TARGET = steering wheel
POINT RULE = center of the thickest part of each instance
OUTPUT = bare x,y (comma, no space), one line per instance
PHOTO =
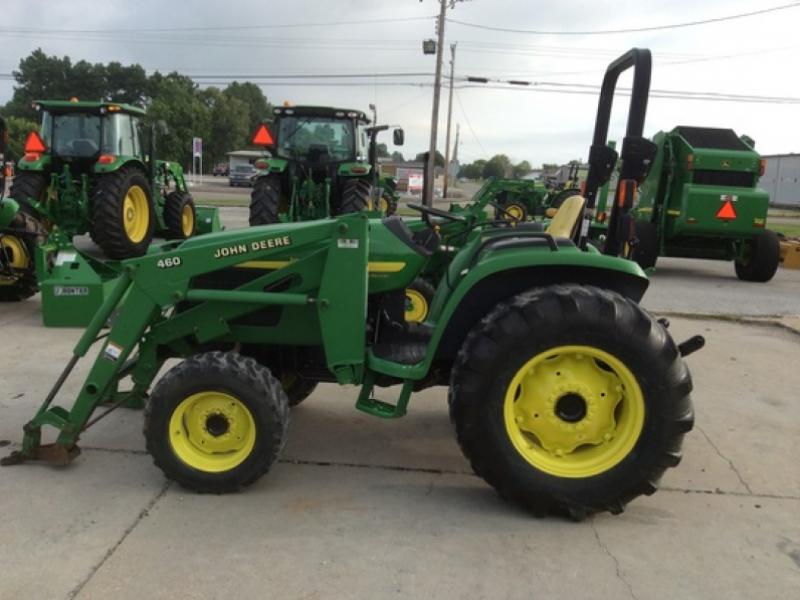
429,210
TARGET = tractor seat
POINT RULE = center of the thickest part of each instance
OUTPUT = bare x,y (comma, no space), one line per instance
565,223
318,153
424,242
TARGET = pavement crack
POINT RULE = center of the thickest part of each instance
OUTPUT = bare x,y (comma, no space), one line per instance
353,465
726,459
142,514
605,549
719,492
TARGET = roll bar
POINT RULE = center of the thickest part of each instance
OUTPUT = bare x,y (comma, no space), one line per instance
637,152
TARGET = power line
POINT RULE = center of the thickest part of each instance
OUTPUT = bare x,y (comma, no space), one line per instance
466,118
632,29
214,27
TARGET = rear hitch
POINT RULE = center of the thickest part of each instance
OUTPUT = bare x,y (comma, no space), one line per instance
693,344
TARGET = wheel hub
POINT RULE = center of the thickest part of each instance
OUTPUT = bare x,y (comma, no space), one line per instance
571,407
217,424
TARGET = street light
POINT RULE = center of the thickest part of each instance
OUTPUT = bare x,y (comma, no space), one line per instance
429,46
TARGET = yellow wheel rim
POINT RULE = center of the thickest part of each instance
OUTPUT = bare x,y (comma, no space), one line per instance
384,205
514,212
136,214
416,306
15,252
212,431
187,220
574,411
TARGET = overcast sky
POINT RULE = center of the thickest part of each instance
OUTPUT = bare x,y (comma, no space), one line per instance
756,55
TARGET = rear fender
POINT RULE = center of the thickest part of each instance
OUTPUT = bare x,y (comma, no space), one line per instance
504,274
354,169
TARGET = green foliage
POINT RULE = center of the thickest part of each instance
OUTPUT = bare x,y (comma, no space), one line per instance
497,166
521,169
473,170
383,150
18,129
397,156
225,119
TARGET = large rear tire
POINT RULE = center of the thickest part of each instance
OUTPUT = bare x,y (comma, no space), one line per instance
216,422
570,400
356,194
28,185
122,214
265,201
180,216
18,274
763,255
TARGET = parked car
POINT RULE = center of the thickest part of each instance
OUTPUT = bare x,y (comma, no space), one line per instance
220,169
242,175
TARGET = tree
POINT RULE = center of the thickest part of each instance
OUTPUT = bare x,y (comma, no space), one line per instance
383,150
497,166
39,77
473,170
228,124
521,169
177,102
258,107
18,130
438,160
125,83
397,156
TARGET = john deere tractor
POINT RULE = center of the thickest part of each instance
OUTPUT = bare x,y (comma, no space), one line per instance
320,165
86,171
566,395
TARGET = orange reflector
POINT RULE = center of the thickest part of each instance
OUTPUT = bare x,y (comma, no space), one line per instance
690,161
727,212
762,166
34,144
106,159
261,164
359,170
626,193
31,156
263,137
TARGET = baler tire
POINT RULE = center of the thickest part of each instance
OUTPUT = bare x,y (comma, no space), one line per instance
108,204
177,208
563,195
557,327
356,194
513,212
265,201
388,203
764,258
645,252
258,402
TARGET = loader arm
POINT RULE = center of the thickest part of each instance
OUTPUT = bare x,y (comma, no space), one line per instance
163,313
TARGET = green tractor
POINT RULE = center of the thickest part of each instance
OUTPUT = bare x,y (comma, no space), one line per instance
86,171
515,199
566,396
701,200
322,165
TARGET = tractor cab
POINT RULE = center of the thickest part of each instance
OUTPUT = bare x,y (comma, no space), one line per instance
87,136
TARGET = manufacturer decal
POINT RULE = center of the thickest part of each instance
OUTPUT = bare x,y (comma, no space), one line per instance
347,243
168,263
266,244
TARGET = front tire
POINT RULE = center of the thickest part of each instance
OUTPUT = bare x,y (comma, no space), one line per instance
763,254
419,296
122,214
645,252
180,216
216,422
570,400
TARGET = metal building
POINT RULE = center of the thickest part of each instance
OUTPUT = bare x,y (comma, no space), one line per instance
782,179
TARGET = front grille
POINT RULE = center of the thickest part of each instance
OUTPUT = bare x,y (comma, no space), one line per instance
724,178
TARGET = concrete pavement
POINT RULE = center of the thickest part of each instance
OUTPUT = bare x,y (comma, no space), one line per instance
364,508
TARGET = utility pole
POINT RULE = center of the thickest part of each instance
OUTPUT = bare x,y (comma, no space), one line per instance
429,168
455,146
449,117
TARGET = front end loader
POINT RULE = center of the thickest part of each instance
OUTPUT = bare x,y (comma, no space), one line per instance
567,397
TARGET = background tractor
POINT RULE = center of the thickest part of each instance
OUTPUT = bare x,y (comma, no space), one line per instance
701,200
320,165
86,170
566,396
